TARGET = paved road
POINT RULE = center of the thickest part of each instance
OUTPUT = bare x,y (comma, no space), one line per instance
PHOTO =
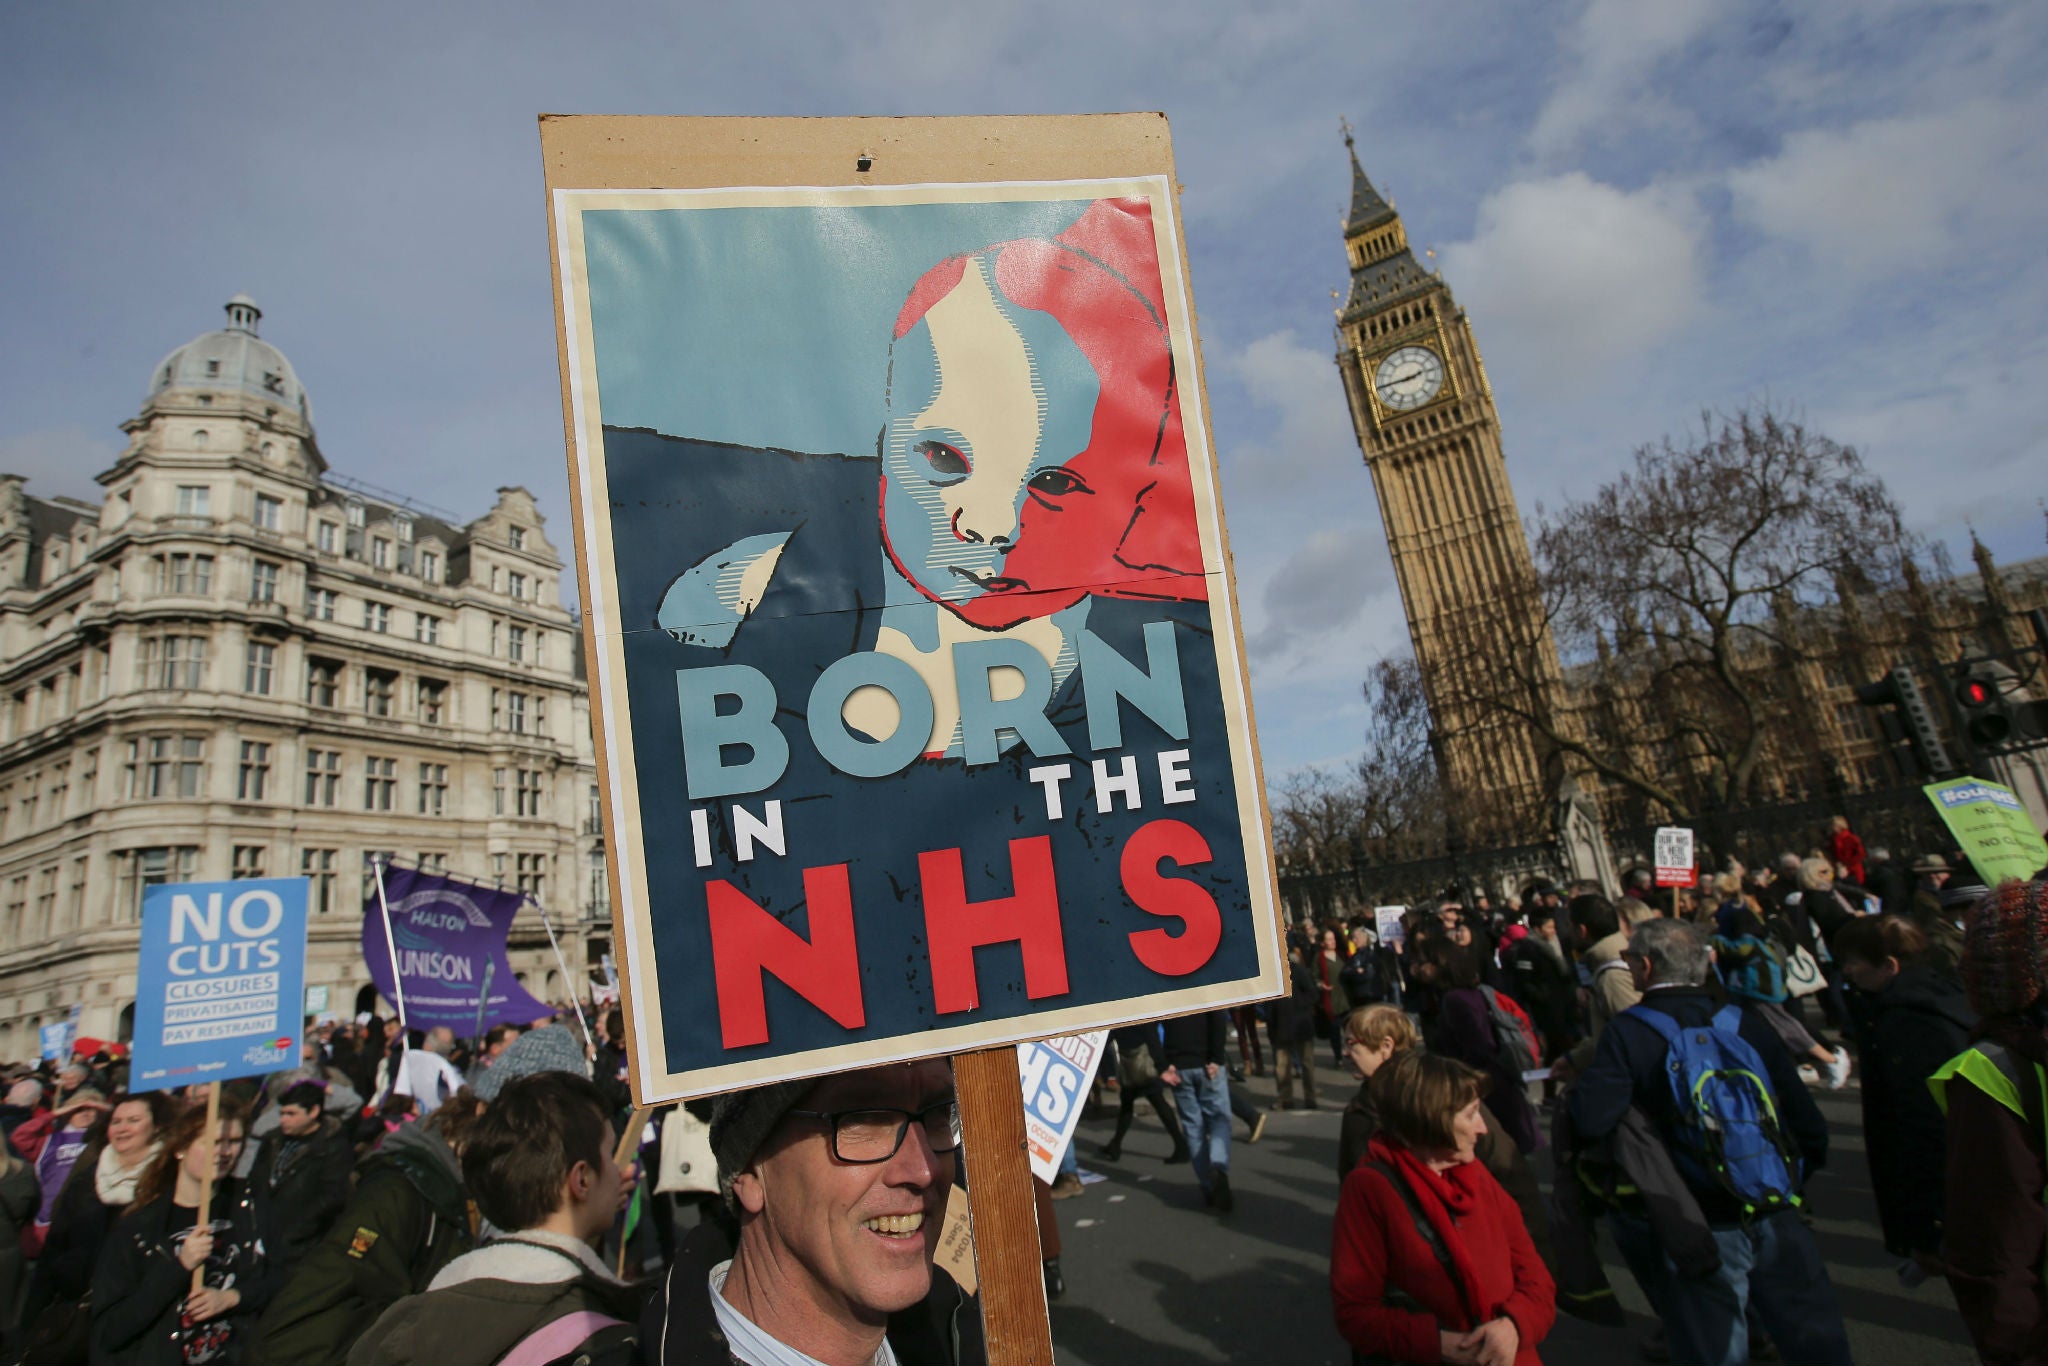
1153,1276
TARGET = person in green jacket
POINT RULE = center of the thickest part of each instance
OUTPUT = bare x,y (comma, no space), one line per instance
409,1217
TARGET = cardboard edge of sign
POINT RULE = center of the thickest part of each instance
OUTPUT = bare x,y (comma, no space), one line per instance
635,152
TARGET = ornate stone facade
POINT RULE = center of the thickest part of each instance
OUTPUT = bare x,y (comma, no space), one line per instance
241,665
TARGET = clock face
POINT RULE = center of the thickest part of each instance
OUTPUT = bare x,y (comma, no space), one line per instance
1408,378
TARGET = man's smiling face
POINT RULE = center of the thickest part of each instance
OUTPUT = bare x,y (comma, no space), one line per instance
990,404
855,1237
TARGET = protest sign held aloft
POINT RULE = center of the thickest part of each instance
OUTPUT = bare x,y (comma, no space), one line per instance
220,981
921,703
1990,825
448,941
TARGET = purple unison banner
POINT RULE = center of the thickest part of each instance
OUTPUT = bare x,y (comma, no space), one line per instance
447,933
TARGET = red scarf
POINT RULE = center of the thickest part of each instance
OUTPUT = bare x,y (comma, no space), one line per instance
1442,1195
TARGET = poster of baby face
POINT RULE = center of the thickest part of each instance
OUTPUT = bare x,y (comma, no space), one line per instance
916,674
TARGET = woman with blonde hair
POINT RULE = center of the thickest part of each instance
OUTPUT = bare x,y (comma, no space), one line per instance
1374,1037
1429,1259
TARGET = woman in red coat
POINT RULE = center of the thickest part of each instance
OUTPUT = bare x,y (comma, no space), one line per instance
1846,850
1429,1260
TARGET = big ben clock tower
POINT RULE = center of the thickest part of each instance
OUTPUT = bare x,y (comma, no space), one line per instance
1425,419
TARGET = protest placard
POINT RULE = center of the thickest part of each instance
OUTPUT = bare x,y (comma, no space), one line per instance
1991,825
1388,925
220,981
1055,1074
1674,856
922,714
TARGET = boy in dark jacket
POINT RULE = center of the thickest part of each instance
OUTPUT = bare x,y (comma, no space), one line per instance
301,1172
539,1162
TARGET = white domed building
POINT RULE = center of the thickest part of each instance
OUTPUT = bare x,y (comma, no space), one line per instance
241,664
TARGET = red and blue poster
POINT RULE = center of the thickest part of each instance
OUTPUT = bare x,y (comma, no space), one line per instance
916,674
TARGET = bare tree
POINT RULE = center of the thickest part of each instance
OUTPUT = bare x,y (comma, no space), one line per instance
1401,794
1677,597
1316,820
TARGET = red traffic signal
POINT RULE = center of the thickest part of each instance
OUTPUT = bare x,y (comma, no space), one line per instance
1975,692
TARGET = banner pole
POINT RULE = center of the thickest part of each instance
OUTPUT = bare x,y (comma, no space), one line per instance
575,998
1004,1209
212,1141
483,999
390,945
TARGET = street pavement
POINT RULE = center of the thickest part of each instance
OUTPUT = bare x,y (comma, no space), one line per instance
1154,1276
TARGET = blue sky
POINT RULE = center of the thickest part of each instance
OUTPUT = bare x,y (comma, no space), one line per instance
1649,207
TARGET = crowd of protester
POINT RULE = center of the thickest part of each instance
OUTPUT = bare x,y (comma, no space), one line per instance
410,1197
1668,1046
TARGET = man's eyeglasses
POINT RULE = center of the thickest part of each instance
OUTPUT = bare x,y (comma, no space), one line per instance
875,1135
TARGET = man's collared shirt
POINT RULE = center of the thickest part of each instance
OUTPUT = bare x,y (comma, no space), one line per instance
755,1347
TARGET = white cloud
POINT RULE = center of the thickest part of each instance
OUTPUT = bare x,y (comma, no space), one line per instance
1884,191
57,460
1614,48
1313,438
1320,589
1570,275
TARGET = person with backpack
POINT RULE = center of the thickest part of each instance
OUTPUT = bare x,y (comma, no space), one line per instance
1429,1259
1752,971
539,1163
1723,1095
1480,1026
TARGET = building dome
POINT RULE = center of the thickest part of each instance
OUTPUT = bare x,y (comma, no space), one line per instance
234,359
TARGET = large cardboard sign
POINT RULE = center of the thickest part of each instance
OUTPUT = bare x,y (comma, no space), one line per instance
921,708
220,981
1992,826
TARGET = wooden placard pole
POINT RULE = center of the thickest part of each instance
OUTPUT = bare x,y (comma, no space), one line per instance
1014,1321
210,1136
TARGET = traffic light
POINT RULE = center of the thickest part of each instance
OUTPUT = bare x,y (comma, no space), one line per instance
1899,689
1996,709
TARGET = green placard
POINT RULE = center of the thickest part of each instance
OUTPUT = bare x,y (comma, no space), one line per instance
1991,826
316,1000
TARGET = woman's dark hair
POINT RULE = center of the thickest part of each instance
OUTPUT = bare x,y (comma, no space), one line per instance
186,1127
1454,965
455,1117
1872,939
527,1141
1419,1094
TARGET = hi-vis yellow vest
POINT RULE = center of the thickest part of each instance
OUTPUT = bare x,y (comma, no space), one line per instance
1992,1069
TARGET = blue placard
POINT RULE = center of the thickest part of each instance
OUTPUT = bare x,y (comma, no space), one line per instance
56,1040
220,982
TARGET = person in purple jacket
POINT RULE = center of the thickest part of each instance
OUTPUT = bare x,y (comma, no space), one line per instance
1462,1027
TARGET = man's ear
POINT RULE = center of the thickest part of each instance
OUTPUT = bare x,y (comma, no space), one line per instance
579,1183
750,1191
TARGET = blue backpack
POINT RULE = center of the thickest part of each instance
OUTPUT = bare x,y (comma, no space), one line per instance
1728,1131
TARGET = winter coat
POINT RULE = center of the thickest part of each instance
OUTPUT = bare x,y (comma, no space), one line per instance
1994,1223
302,1186
19,1197
680,1328
1495,1151
1332,1001
139,1287
1846,851
409,1217
1463,1029
1547,985
485,1302
1908,1031
1630,1170
1377,1250
79,1224
1191,1042
1293,1022
1629,1069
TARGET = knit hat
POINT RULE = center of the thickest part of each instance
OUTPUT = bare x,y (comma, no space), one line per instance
741,1122
551,1048
2005,949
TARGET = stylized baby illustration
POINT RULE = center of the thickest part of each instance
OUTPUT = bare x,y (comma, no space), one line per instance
1032,461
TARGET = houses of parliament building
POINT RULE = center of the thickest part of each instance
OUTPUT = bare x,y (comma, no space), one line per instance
240,664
